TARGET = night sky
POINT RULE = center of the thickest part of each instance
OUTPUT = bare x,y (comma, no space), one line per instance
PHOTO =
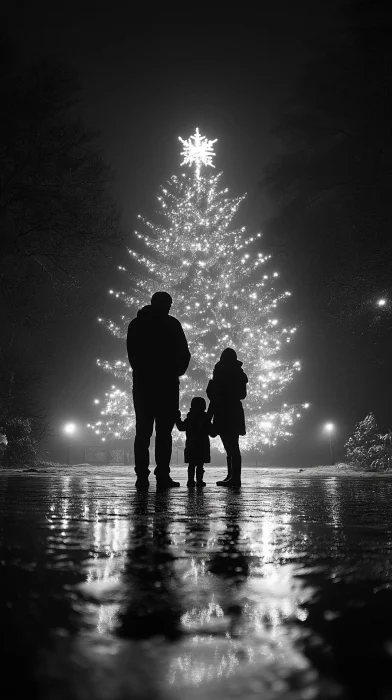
143,85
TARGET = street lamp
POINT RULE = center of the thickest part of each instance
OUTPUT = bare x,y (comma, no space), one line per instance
329,428
381,302
70,430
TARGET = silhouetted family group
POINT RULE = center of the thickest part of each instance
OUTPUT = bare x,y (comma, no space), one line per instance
159,355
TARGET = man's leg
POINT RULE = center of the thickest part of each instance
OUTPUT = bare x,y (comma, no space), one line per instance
191,474
166,412
163,443
199,475
144,410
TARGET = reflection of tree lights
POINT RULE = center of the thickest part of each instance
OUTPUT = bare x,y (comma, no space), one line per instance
107,618
200,618
205,662
110,537
196,569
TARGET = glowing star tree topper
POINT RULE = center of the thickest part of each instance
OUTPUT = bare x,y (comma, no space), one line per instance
224,292
198,150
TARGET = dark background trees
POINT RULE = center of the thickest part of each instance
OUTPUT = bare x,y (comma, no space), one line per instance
330,224
58,220
331,184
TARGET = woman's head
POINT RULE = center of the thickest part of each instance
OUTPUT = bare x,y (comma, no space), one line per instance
198,404
228,355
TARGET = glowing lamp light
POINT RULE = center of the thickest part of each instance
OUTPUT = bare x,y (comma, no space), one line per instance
330,429
381,302
70,430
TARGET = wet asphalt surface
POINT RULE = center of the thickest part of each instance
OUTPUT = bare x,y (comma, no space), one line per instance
283,590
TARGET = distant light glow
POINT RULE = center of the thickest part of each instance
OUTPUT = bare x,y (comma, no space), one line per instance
329,427
70,428
381,302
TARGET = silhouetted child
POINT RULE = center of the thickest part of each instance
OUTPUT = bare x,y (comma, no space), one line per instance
197,446
226,390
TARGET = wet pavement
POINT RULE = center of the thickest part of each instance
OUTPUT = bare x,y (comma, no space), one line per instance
283,590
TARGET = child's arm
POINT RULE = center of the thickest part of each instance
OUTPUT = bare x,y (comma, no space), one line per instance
180,423
207,425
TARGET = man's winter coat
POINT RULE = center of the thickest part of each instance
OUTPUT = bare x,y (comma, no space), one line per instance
157,348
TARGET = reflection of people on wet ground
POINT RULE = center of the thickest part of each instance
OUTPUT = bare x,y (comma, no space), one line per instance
158,354
226,390
197,426
152,606
197,525
229,560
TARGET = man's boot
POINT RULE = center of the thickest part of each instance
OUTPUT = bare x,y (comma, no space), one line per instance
199,476
166,483
142,483
191,476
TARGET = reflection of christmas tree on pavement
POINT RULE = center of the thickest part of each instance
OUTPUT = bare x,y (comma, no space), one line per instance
224,293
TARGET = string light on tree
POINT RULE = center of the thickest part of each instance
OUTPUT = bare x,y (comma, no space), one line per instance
224,291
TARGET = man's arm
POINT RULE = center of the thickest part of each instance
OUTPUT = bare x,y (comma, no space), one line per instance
180,424
132,343
183,355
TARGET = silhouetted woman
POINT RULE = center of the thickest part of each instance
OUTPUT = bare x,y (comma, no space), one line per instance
226,390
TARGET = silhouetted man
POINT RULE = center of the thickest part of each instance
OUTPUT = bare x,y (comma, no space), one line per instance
158,354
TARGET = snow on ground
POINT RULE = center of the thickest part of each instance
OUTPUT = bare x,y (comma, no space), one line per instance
337,470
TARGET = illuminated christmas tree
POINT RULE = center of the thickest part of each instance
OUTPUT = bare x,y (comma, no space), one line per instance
224,294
